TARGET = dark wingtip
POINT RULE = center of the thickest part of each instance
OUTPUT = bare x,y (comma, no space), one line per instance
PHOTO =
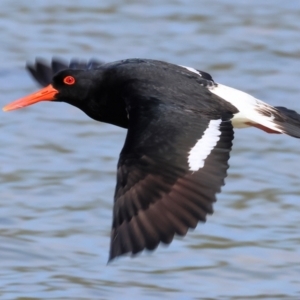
43,71
31,69
114,252
113,255
35,70
40,71
109,261
58,64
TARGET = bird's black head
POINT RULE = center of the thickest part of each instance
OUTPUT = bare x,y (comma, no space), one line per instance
85,89
76,87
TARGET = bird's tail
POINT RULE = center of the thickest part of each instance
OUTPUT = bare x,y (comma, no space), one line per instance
288,120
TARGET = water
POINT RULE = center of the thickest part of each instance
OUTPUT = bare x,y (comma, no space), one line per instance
58,166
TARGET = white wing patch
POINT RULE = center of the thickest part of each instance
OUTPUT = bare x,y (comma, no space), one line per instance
250,109
192,70
205,145
248,106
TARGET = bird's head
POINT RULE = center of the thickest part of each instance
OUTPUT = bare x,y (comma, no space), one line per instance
71,86
85,89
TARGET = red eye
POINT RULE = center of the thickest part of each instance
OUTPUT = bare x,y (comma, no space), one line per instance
69,80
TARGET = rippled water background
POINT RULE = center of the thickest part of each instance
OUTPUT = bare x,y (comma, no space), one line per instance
58,166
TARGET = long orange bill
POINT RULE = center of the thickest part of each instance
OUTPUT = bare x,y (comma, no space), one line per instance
46,94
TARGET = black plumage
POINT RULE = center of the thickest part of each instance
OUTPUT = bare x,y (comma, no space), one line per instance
180,131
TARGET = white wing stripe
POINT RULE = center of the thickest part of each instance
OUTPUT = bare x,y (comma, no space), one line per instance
204,146
192,70
247,105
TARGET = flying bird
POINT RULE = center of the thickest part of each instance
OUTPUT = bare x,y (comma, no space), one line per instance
179,125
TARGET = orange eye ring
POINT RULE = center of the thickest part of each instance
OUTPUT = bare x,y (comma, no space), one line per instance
69,80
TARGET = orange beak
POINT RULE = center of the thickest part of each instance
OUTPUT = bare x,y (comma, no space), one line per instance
46,94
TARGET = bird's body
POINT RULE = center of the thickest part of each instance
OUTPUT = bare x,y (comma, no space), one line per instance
180,131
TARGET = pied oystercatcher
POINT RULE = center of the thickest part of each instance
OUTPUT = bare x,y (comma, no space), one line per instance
180,131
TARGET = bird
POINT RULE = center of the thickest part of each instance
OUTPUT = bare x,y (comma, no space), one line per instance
180,127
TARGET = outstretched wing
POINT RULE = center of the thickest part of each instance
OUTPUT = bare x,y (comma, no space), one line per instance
169,172
43,72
